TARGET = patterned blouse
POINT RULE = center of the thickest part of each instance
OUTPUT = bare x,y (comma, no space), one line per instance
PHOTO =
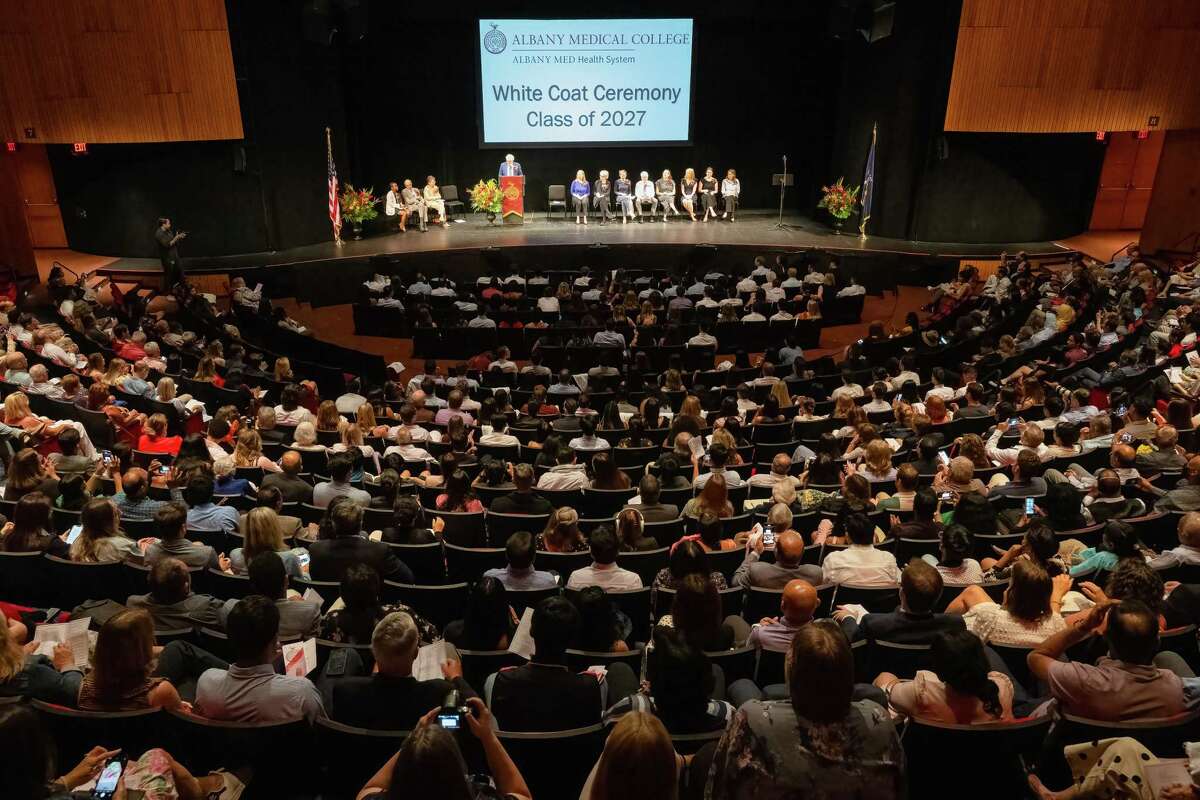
769,753
331,625
665,580
992,622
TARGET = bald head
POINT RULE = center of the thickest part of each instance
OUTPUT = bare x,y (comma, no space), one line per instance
681,442
291,463
1032,436
789,549
1123,455
135,483
418,399
799,602
781,464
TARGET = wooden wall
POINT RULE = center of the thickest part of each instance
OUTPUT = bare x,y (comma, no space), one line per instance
107,71
1173,217
1042,66
16,248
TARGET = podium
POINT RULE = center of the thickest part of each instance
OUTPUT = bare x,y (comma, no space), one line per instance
512,206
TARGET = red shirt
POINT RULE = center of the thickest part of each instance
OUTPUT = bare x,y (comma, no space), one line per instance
159,444
130,351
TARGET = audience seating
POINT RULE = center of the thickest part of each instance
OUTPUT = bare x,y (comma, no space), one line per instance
351,756
442,604
551,761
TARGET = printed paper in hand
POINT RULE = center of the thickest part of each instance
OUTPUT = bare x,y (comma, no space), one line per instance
300,658
522,641
74,633
428,665
1166,772
311,594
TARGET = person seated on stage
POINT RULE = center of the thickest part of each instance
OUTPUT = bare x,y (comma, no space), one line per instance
601,194
664,188
433,199
731,187
580,190
708,194
624,189
687,192
394,205
414,203
645,195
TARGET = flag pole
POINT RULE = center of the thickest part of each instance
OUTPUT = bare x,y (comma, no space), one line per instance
862,225
337,230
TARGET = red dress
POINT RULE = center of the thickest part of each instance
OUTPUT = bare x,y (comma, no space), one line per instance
159,444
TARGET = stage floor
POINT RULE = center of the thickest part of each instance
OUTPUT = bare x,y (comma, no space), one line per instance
753,229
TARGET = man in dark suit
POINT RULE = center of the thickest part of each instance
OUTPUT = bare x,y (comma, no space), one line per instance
391,698
649,490
927,462
914,621
330,557
568,422
289,483
522,500
544,695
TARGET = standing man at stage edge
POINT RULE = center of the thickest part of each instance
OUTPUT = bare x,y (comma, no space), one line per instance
167,239
510,166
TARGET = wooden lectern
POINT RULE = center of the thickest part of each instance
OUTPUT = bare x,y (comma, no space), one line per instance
512,207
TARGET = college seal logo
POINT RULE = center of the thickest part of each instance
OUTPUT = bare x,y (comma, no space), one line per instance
494,41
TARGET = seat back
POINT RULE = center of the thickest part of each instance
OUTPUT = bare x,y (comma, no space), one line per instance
228,587
74,582
1164,737
555,764
351,756
562,563
463,528
876,599
438,604
735,664
580,660
467,564
502,526
665,533
75,732
479,664
938,755
426,561
529,598
268,750
645,563
726,562
902,660
22,577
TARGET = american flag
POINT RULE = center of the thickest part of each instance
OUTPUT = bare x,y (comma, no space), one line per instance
335,208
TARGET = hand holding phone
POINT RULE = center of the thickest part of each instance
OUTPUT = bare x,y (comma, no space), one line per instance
1028,506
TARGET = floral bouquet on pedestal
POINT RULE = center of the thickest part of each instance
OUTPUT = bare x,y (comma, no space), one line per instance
358,206
486,196
839,202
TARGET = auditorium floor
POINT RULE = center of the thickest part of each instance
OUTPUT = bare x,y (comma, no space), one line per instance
336,323
1101,245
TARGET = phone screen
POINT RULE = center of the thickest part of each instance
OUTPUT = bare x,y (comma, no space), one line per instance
943,456
107,456
1028,505
768,535
106,784
73,534
1121,410
947,496
450,722
1013,422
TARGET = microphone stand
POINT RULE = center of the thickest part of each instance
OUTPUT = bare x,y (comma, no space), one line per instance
783,183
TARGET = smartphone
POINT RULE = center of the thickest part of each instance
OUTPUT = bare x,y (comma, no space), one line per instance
303,558
106,784
941,340
1137,313
1014,422
107,456
73,533
1121,410
164,470
1028,505
946,497
768,536
943,457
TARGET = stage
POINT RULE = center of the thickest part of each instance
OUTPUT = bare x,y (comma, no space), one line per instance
470,245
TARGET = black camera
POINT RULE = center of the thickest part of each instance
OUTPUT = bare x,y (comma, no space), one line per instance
453,714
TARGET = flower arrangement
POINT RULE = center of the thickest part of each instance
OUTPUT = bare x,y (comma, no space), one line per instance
358,205
838,200
486,196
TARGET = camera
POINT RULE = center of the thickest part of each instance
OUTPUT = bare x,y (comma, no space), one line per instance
454,711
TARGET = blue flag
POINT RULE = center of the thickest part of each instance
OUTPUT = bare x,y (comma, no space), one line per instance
868,186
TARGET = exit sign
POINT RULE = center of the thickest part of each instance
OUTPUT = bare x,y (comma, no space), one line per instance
79,148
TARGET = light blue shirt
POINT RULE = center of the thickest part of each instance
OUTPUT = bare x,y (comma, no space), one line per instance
212,517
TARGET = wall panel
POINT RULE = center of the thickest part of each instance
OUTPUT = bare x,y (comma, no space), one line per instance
109,71
1034,66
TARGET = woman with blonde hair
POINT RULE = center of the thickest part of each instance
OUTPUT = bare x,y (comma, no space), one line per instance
647,318
100,538
690,419
206,372
283,370
842,405
263,535
364,418
121,677
352,442
562,534
687,192
780,393
877,466
165,391
638,763
17,414
713,498
724,437
118,370
154,437
248,452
